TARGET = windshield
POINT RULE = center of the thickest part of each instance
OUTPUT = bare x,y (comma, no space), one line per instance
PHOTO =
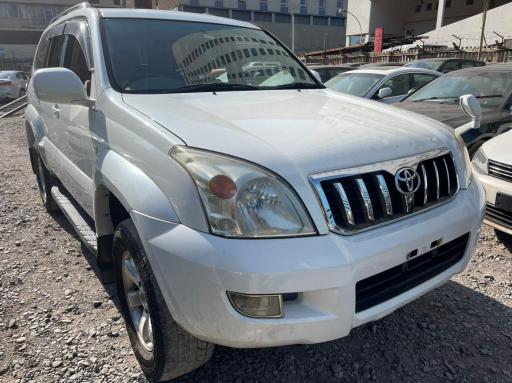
168,56
357,84
491,88
432,65
4,75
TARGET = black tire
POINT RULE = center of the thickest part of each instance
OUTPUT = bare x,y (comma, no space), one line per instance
504,238
175,352
45,182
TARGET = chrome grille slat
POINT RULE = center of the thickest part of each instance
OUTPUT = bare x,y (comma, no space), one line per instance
425,184
447,175
368,206
346,204
358,199
436,172
500,170
386,196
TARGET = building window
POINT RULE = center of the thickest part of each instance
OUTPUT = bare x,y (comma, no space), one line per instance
337,22
429,7
242,4
283,18
242,15
263,16
219,12
303,7
219,4
469,2
301,19
321,7
319,20
284,6
340,4
263,5
194,2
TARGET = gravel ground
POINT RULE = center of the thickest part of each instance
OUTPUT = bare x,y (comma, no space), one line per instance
59,323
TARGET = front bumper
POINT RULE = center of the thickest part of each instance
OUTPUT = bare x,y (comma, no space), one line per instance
497,218
194,270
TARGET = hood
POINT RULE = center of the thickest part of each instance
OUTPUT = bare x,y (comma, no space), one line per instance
498,148
294,132
449,113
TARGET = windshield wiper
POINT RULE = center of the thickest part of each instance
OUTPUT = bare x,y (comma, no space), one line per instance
295,85
212,87
437,98
490,96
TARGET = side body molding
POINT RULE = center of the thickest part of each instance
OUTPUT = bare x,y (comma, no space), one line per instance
131,186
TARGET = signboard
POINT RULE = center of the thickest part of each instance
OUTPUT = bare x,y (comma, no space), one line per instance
379,35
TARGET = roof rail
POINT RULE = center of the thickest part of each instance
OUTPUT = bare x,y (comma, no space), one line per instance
85,4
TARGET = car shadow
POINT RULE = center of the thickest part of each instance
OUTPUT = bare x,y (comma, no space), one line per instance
453,333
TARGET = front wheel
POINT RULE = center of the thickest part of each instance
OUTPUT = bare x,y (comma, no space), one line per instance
164,350
45,183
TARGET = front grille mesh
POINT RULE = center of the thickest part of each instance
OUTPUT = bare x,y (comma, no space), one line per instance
358,202
500,170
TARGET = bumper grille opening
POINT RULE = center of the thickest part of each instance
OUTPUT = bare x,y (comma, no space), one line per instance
499,216
500,170
357,202
397,280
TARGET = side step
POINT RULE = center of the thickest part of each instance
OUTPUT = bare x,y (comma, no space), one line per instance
86,233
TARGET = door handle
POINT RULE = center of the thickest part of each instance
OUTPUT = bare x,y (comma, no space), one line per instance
56,110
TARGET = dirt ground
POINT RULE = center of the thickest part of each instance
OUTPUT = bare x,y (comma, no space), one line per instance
58,323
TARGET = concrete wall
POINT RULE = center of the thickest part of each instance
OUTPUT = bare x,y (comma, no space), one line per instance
498,20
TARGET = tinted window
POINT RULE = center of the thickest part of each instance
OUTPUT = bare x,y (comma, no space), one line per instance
425,64
74,59
400,84
420,79
469,64
185,56
42,53
451,66
56,46
19,76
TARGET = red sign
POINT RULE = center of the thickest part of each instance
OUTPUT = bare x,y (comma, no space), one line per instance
379,34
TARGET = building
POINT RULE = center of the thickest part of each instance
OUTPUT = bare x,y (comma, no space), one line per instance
23,21
317,24
444,21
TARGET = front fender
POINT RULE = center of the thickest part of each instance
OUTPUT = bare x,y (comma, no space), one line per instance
132,187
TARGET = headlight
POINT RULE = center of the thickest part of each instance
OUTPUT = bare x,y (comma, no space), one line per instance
468,172
243,200
480,162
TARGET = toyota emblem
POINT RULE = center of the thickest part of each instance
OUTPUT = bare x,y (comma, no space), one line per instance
407,181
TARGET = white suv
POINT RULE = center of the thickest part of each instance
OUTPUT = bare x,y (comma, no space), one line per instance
232,209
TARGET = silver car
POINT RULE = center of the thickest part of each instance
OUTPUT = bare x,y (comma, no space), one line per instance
13,84
385,84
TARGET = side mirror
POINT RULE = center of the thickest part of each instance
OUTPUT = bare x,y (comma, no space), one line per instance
472,108
384,92
316,75
60,86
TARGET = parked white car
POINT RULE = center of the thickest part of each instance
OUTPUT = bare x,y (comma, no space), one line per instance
13,84
231,213
493,165
386,84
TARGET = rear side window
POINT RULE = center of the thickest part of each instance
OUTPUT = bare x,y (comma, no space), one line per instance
56,46
400,85
42,53
469,64
422,79
74,59
451,66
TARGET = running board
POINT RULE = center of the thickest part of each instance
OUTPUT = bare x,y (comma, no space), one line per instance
82,228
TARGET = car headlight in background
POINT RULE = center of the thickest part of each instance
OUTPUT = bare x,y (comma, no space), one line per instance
481,162
468,171
243,200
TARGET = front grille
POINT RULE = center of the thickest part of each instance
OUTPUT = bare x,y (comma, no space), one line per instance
355,202
499,216
397,280
500,170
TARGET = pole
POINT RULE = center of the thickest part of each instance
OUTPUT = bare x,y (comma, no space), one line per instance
482,35
293,32
341,11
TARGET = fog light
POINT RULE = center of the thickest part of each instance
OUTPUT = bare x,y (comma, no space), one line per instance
257,306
